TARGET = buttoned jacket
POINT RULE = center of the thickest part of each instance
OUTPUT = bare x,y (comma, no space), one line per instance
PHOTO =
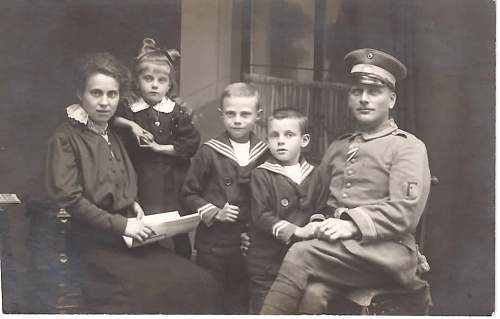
214,179
279,206
381,182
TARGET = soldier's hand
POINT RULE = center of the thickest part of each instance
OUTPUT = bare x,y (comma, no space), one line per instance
228,214
333,229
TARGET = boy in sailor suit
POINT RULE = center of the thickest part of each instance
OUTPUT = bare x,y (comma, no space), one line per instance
282,197
217,187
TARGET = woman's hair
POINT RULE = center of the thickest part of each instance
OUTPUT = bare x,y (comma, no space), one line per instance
103,63
150,52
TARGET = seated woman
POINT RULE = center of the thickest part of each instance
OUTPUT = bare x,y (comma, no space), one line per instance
91,176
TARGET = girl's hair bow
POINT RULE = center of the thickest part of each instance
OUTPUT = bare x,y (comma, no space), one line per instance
149,47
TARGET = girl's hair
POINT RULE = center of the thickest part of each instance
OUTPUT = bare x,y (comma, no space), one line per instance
152,53
103,63
290,113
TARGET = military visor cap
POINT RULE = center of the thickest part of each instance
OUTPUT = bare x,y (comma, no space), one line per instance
373,67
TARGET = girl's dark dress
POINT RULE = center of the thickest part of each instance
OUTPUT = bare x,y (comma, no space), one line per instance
160,176
96,183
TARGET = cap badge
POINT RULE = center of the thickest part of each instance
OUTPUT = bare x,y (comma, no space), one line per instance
370,55
284,202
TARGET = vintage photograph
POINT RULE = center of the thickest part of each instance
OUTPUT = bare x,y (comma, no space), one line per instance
247,157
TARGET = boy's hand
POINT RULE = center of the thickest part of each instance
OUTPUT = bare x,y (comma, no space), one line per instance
307,231
333,229
228,213
138,230
244,243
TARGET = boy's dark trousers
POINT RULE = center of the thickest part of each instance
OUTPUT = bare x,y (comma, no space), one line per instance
227,266
259,285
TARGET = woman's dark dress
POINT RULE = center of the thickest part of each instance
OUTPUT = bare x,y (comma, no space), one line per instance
96,183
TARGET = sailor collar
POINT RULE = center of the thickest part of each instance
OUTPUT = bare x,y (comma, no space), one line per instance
223,146
77,112
389,128
165,105
272,166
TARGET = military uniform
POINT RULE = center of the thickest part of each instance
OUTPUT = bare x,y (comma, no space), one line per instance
380,182
279,206
214,179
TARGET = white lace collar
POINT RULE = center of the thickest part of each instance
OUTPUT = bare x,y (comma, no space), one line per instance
77,113
166,105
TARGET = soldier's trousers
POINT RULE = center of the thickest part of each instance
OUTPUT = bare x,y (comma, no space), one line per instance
316,260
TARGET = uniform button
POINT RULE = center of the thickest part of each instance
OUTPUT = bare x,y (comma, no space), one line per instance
161,131
284,202
348,185
353,160
228,181
350,172
344,195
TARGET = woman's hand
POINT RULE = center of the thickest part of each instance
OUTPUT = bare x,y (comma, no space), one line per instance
139,212
138,230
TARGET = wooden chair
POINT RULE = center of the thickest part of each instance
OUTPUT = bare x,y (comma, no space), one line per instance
390,301
54,267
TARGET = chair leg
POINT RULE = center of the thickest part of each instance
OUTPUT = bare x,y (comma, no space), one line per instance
365,310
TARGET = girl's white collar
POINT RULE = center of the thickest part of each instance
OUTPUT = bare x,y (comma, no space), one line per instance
165,105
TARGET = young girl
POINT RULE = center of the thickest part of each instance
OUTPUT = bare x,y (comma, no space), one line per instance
166,137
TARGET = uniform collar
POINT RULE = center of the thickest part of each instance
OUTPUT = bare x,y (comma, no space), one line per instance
390,127
166,105
77,113
222,145
273,166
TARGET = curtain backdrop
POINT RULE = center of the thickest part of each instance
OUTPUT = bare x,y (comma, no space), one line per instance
323,102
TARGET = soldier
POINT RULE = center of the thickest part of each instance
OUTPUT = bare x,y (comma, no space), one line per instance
375,184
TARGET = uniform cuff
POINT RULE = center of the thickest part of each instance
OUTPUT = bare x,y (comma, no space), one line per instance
317,218
364,222
207,213
283,231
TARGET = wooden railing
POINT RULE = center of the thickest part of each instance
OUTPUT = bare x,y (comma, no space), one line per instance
323,102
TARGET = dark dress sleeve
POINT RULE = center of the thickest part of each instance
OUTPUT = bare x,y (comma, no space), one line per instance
123,110
186,136
64,185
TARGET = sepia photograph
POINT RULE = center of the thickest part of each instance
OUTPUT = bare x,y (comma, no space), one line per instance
248,157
